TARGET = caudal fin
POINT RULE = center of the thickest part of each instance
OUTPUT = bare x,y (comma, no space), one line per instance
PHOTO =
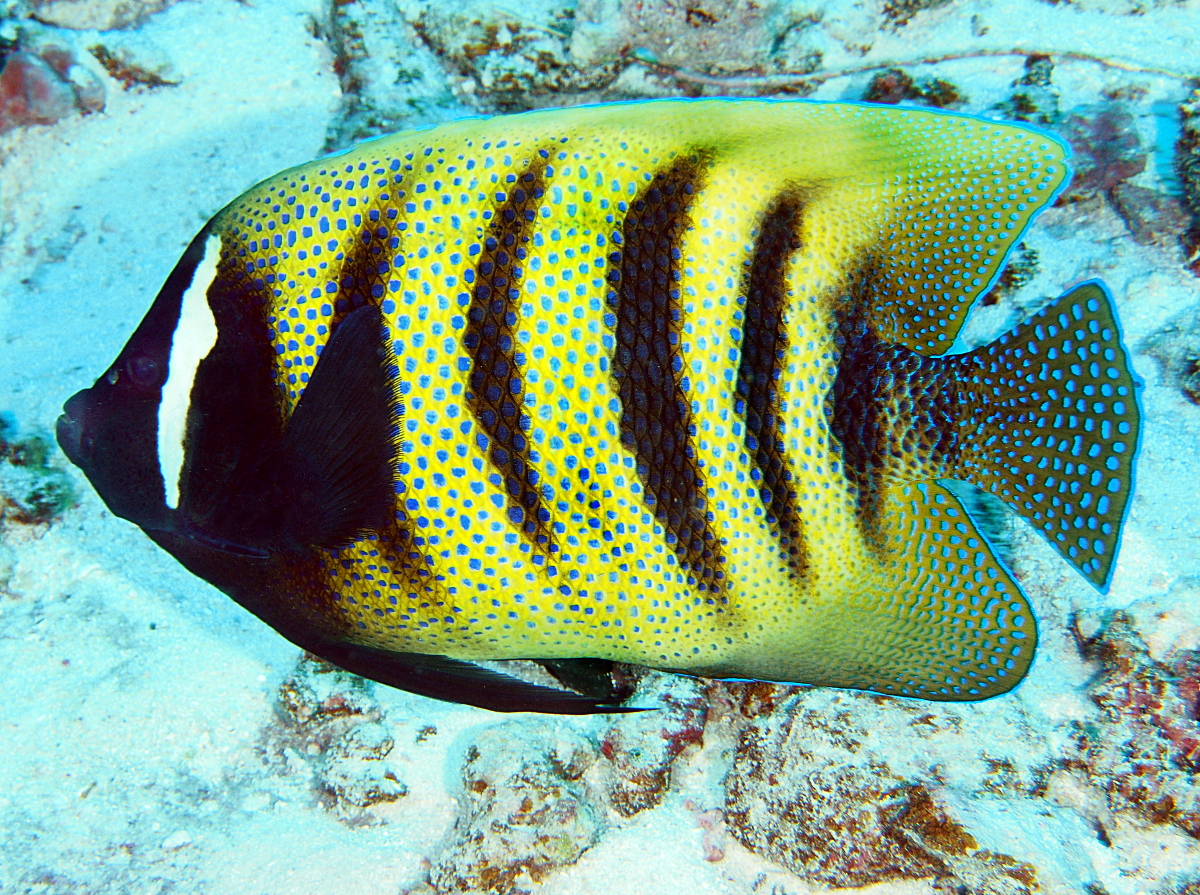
1058,426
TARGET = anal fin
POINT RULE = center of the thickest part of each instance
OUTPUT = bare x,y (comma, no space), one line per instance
936,616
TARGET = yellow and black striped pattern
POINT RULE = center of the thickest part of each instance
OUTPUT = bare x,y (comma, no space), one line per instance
616,329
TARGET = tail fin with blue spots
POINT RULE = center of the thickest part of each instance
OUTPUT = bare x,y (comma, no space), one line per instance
1052,426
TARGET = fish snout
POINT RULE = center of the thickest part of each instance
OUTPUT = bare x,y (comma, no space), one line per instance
72,430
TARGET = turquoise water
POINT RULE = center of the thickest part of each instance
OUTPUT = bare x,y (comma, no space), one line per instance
157,738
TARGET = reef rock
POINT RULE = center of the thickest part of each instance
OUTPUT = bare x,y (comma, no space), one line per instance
31,92
1107,148
1034,97
41,81
331,728
1187,163
894,85
514,57
714,36
1153,218
642,746
32,491
1147,757
808,792
1177,348
98,15
390,79
526,810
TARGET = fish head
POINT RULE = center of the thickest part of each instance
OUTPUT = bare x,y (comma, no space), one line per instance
110,432
126,432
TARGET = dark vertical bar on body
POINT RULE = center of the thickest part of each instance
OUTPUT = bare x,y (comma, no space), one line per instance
656,420
496,391
764,344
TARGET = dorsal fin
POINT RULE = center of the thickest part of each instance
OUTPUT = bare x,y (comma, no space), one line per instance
957,194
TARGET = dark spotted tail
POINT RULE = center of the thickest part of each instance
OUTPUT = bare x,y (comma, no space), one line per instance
1051,425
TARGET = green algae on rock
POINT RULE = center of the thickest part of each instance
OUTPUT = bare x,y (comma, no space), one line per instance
33,491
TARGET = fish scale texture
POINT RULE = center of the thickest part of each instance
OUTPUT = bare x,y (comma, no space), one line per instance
656,420
654,537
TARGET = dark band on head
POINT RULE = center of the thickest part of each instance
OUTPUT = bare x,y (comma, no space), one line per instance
235,415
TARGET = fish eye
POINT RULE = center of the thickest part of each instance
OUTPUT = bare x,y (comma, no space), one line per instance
145,372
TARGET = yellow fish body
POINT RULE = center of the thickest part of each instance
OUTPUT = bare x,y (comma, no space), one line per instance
660,383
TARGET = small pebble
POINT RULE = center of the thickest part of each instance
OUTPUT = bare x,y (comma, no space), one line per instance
177,840
31,92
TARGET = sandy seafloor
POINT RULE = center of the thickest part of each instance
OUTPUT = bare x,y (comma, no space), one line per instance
144,747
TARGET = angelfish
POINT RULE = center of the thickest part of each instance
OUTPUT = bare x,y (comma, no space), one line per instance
664,383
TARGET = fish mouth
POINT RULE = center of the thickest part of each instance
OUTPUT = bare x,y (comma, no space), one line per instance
71,431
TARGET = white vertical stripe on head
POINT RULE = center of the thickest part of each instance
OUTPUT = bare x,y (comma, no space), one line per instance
194,337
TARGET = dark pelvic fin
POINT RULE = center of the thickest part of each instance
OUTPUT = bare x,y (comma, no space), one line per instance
334,472
1052,426
463,682
592,677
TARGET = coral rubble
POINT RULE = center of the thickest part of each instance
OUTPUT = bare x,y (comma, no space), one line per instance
1146,757
526,809
805,791
133,75
894,85
330,724
41,82
642,746
33,491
